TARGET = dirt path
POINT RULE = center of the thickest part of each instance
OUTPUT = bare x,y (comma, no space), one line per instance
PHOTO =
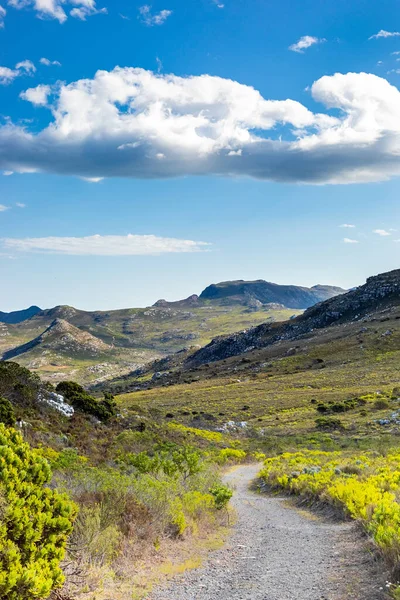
279,553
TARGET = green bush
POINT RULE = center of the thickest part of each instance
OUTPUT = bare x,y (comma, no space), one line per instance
81,400
328,423
18,385
221,494
6,412
381,404
35,525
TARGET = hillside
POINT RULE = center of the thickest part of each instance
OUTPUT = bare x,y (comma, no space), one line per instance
59,338
264,292
340,321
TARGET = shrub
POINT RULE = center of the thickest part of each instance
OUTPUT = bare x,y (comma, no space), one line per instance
328,424
36,522
231,455
6,412
381,404
222,494
81,400
18,384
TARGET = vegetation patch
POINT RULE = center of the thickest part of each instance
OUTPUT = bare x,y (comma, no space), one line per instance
365,487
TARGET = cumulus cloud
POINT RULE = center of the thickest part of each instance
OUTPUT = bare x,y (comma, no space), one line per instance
350,241
3,208
105,245
305,42
7,75
37,96
382,232
20,204
54,9
3,13
347,225
384,34
150,19
50,63
130,122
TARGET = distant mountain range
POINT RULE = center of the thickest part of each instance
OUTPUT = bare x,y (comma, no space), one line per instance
93,345
17,316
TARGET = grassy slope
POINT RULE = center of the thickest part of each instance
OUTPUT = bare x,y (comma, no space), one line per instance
278,390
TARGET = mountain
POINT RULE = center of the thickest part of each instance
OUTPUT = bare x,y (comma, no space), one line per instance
377,293
264,292
343,328
18,316
62,337
129,338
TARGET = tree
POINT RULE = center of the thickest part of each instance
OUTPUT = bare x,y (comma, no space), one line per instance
35,522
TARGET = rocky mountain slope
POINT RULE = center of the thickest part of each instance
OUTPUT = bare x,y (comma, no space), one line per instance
18,316
264,292
368,316
378,292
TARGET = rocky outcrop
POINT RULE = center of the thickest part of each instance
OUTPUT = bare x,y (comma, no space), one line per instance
377,293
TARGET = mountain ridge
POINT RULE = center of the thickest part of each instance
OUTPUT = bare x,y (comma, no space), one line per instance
17,316
266,292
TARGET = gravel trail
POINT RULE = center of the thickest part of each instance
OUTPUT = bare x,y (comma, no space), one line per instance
279,553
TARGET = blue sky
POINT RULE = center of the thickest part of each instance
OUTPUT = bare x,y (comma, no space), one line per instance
253,160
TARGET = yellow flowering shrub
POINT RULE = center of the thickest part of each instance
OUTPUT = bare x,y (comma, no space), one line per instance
366,487
35,522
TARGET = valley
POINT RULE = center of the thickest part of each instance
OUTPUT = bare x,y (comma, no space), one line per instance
65,342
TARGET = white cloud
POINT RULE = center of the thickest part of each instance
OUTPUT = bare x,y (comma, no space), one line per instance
20,204
105,245
151,19
3,208
347,225
7,75
350,241
37,96
8,173
50,63
119,123
92,179
305,42
384,34
3,13
382,232
54,9
26,65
